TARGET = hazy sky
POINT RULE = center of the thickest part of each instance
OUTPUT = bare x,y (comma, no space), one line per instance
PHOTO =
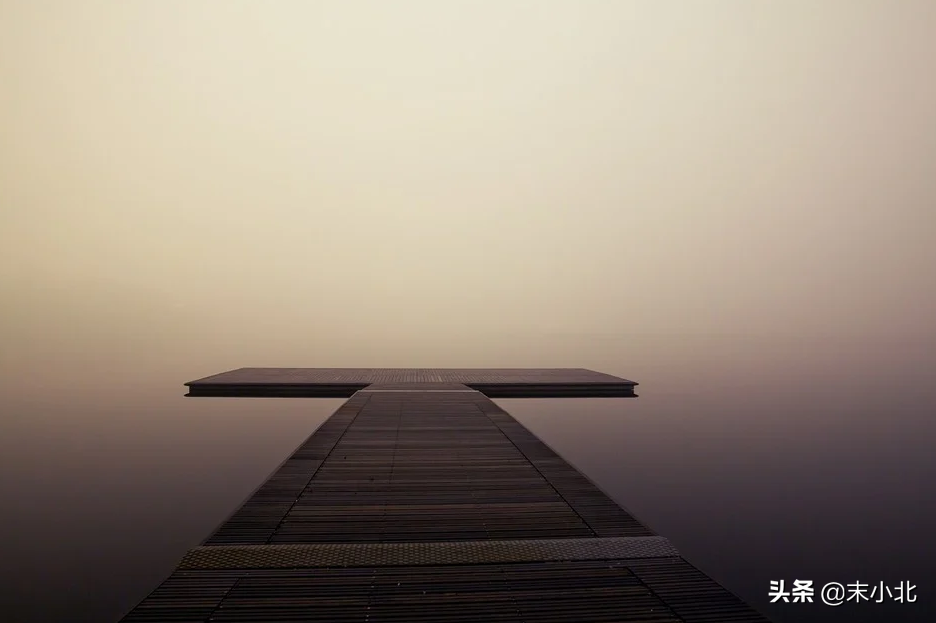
295,170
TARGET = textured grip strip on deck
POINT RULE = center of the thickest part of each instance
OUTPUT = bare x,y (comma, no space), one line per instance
423,553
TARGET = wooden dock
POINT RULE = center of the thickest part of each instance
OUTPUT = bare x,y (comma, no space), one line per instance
343,382
422,500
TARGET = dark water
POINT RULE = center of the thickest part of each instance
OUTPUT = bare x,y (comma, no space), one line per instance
760,459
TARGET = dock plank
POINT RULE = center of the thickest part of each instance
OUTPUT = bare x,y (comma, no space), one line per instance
422,500
344,382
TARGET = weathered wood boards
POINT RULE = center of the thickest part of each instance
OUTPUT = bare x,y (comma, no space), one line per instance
422,500
343,382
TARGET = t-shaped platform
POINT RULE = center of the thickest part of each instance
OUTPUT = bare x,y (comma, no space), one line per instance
343,382
422,500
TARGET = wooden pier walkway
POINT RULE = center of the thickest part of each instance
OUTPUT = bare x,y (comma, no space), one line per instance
422,500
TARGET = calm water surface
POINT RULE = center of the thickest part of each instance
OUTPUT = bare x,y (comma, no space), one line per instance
761,459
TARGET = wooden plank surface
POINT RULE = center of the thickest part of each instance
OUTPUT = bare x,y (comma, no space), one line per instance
413,466
344,382
662,590
492,525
